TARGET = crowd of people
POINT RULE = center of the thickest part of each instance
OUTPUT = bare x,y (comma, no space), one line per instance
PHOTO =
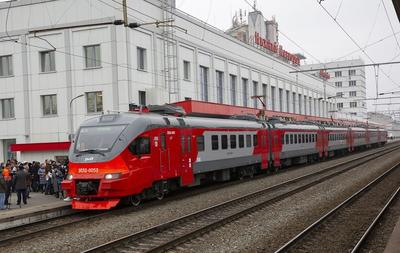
22,178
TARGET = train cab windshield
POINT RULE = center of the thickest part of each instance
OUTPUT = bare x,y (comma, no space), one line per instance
98,139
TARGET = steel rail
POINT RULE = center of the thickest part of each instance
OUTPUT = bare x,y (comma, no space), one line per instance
350,199
157,229
375,221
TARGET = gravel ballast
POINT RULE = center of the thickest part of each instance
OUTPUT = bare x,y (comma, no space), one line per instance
251,233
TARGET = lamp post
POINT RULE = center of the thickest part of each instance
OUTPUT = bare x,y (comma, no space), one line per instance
72,116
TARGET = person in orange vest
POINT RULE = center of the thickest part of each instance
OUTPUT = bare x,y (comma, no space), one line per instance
8,178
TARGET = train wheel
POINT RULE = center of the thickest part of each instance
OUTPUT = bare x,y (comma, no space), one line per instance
160,195
135,200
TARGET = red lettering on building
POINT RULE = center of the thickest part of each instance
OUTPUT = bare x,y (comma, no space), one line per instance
324,75
277,49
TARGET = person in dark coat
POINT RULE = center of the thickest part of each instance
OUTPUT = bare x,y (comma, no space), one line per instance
3,190
42,178
20,181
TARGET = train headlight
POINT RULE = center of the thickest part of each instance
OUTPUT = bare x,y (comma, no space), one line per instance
112,176
70,177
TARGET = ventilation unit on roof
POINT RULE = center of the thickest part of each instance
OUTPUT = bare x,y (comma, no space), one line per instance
167,109
249,117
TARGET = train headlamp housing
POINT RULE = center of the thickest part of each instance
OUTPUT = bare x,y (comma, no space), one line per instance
112,176
70,177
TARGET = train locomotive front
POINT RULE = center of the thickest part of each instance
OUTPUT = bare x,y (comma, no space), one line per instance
102,168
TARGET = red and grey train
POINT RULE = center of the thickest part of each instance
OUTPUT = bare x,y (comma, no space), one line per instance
128,157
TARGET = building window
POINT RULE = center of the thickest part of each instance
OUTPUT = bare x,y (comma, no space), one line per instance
49,105
141,58
339,94
352,72
338,84
94,102
353,104
204,83
255,93
47,61
245,95
338,73
352,83
300,104
281,100
142,98
273,97
264,93
294,101
6,68
353,93
7,108
233,89
287,101
92,56
186,70
315,106
305,105
220,86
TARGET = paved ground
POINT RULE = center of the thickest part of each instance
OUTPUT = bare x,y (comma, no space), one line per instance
38,202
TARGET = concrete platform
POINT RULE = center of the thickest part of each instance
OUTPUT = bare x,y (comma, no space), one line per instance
393,245
39,207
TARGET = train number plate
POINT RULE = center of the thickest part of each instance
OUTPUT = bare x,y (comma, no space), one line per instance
88,170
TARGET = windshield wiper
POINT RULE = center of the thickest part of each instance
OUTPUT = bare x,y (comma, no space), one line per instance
91,151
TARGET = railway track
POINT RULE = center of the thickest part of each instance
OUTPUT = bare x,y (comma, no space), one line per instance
346,227
173,233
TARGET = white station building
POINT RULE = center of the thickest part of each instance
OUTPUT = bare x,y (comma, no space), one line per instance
64,61
350,84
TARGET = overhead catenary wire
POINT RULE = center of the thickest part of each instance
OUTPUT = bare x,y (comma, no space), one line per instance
390,23
354,41
123,66
214,45
287,37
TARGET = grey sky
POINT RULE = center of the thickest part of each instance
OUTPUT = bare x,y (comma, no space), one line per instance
306,23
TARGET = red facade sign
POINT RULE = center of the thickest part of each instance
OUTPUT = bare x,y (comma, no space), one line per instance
277,49
324,75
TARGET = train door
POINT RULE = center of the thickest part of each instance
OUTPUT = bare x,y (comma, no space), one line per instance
164,154
265,149
320,142
186,144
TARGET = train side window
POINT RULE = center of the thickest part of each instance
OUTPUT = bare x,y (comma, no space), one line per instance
302,138
295,139
214,142
233,141
286,139
248,140
200,143
291,138
310,138
140,146
189,144
224,141
255,140
241,141
163,141
306,138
